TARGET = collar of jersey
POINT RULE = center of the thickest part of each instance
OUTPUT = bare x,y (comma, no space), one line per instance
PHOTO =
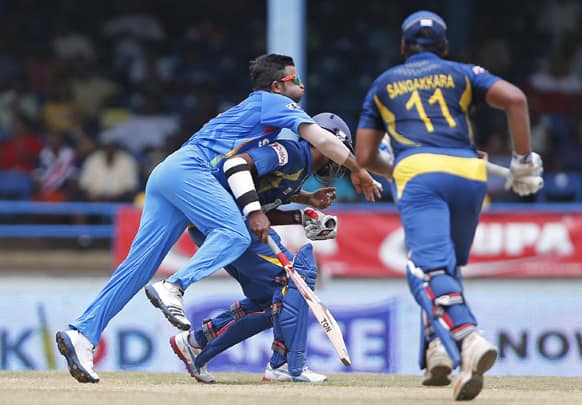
422,55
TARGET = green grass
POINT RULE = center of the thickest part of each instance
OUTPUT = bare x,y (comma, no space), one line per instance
58,387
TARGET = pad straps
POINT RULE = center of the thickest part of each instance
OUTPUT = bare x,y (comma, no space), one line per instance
279,347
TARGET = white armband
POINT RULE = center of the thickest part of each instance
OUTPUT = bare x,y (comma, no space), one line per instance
239,178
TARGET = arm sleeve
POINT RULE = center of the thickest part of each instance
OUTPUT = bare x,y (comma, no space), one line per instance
481,81
269,158
281,112
325,142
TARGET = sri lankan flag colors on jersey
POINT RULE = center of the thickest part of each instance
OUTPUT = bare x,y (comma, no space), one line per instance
423,105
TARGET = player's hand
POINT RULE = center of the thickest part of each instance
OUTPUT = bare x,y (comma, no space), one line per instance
525,174
481,154
364,183
259,225
322,198
318,225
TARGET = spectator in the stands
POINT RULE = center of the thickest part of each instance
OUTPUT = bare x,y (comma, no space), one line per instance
21,149
109,174
15,99
56,169
90,91
559,88
69,44
147,129
59,113
128,32
155,68
42,70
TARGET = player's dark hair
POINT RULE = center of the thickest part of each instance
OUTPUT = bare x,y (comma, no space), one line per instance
267,68
412,47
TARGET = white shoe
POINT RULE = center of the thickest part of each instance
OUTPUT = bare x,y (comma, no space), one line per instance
281,374
78,352
478,356
438,365
188,353
168,298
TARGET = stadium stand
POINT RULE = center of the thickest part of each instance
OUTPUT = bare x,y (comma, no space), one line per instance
106,59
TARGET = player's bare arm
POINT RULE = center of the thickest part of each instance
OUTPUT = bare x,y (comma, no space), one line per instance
526,166
316,224
238,171
335,150
512,100
320,199
368,152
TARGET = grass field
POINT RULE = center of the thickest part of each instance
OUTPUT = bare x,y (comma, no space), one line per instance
54,387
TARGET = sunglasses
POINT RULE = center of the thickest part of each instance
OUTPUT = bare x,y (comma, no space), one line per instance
291,78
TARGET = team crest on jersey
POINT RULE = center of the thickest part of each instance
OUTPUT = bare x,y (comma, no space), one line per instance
282,153
293,106
287,190
478,69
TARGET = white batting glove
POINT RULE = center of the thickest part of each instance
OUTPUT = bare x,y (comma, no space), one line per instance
525,174
318,225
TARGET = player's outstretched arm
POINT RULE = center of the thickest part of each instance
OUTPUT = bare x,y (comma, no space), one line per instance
316,224
334,149
320,199
369,154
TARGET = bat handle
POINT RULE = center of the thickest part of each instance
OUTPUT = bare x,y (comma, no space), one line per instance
502,171
273,245
497,170
277,251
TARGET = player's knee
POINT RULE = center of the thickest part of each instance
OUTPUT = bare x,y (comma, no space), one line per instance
446,287
305,264
440,284
237,241
196,235
243,307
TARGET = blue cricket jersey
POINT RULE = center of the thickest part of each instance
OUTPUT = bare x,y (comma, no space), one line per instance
424,103
282,168
255,121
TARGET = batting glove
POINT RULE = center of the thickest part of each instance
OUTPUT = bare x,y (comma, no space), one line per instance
318,225
525,174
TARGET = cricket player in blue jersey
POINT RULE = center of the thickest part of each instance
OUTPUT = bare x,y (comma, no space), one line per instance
184,188
281,169
439,185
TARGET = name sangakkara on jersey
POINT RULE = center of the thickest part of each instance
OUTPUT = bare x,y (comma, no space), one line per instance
419,83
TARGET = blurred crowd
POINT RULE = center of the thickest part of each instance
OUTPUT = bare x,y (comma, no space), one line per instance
94,94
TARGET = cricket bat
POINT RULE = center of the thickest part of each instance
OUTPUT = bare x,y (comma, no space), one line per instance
320,311
502,171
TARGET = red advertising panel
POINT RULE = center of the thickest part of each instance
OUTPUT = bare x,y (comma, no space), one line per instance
371,244
126,224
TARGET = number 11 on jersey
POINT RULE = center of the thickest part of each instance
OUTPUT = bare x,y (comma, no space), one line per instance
437,97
